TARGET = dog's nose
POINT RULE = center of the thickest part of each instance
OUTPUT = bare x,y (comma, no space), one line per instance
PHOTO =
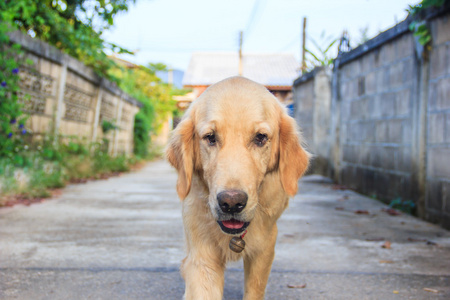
232,201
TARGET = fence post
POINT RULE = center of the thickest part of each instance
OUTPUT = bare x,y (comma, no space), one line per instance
118,119
420,107
60,98
98,105
335,125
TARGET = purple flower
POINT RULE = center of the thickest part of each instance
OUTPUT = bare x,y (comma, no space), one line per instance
24,131
9,135
15,71
21,126
13,121
3,84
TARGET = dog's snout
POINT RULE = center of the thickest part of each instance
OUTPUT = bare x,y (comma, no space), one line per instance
232,201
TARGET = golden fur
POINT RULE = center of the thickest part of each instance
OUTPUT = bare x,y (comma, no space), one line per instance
234,110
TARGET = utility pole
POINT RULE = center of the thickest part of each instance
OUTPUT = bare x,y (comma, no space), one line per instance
240,52
170,76
304,46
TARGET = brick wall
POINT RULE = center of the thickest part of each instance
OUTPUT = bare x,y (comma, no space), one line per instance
388,133
376,120
64,97
312,95
438,130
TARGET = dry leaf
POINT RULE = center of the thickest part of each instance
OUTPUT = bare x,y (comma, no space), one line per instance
395,292
386,245
361,212
339,187
386,262
301,286
430,290
289,235
391,211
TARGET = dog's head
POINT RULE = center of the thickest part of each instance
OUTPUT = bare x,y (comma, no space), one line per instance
232,136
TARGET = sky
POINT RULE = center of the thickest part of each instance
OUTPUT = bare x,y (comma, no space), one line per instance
169,31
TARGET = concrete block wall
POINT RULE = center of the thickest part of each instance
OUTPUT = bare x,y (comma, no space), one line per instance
312,96
376,124
304,110
388,133
64,97
437,200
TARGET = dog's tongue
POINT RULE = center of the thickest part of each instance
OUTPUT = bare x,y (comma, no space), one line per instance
233,224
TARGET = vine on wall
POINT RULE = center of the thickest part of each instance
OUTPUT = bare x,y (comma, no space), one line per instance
419,26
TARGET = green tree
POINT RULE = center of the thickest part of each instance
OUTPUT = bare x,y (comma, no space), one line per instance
73,26
156,97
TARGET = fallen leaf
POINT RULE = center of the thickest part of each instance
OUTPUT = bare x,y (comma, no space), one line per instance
391,211
386,245
386,262
339,208
430,290
416,240
395,292
300,286
361,212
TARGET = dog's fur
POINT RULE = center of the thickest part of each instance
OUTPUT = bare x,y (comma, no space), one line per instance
235,110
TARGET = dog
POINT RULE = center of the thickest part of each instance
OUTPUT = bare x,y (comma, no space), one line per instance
239,157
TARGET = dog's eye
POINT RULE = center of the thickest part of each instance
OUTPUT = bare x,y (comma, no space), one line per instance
210,138
261,139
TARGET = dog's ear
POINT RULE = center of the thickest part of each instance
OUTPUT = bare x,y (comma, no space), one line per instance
293,159
180,154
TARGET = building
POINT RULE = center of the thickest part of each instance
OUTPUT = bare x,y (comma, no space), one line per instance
275,71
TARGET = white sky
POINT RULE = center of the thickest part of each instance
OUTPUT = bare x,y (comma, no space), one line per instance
168,31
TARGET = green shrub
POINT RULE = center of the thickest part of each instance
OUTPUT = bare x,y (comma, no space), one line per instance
50,165
407,206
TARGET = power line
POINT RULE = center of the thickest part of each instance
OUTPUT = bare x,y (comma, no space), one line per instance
256,11
288,45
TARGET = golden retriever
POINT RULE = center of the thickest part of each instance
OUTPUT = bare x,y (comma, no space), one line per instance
239,157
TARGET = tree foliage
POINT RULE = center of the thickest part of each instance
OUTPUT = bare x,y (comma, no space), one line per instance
143,84
419,26
73,26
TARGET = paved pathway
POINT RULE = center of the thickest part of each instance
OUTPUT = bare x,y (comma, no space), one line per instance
122,238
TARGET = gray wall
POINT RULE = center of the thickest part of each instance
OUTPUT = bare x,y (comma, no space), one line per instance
312,110
64,97
376,124
380,123
438,126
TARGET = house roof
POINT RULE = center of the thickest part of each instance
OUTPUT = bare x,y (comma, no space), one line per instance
270,70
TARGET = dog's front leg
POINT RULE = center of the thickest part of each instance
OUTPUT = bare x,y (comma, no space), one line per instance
204,276
257,268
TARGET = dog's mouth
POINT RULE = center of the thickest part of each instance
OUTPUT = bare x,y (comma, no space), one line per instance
233,226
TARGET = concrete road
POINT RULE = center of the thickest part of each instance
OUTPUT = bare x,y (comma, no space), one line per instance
122,238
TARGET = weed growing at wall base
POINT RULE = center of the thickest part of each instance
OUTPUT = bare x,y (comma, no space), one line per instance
34,170
407,206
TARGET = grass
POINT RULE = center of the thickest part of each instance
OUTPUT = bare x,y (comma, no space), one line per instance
34,173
